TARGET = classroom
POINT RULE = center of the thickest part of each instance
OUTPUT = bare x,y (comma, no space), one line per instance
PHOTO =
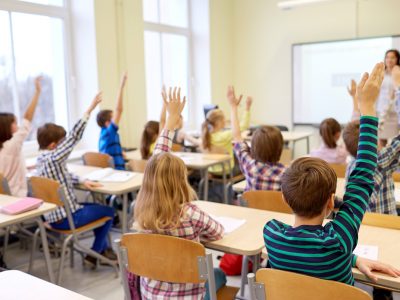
199,149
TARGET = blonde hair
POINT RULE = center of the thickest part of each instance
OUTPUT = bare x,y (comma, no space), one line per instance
212,118
164,191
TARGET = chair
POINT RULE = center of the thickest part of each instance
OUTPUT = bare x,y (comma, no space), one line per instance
137,165
381,220
396,176
340,170
286,156
4,187
100,160
267,200
274,284
169,259
50,191
177,148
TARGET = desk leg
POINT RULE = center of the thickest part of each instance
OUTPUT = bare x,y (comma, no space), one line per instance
205,178
124,213
46,249
308,145
225,183
293,149
245,270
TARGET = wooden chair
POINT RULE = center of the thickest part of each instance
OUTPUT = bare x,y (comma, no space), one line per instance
340,170
4,187
381,220
182,261
177,148
137,165
100,160
286,156
396,176
267,200
50,191
274,284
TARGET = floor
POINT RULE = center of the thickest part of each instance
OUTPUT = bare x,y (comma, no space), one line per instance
100,284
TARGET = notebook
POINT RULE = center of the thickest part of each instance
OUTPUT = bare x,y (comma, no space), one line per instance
230,224
109,175
21,206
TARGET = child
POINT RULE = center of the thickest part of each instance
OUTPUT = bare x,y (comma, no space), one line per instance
12,162
260,164
383,198
215,138
329,150
109,141
149,138
55,149
163,206
308,186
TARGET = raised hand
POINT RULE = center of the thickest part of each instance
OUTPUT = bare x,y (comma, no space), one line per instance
230,94
396,76
124,78
97,99
38,84
164,94
174,106
249,102
352,89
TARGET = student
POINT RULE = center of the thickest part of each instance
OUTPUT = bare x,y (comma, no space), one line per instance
260,164
163,206
383,198
149,138
214,138
308,186
330,151
55,149
12,137
108,121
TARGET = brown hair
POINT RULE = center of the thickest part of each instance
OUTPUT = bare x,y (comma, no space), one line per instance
212,118
164,191
149,136
328,129
267,144
49,133
350,137
307,186
6,120
103,116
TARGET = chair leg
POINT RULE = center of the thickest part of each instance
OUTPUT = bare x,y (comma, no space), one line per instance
33,250
61,265
71,255
201,192
6,239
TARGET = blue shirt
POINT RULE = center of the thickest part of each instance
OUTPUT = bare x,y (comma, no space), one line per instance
109,143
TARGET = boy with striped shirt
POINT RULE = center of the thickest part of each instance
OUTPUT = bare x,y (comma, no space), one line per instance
308,186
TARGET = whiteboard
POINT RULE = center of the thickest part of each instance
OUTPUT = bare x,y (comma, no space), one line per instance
322,71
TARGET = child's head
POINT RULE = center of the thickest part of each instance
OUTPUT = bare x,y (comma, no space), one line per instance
8,126
164,190
215,121
104,117
350,137
149,136
267,144
308,186
330,130
50,135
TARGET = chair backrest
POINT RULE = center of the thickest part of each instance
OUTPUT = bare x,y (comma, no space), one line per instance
277,285
177,147
100,160
4,187
396,176
340,170
267,200
286,156
381,220
137,165
46,189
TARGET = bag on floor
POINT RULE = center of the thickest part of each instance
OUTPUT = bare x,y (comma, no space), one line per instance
231,264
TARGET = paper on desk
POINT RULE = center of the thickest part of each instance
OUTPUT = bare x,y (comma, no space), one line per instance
230,224
367,251
109,175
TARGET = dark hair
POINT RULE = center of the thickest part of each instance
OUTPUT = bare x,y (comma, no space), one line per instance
49,133
328,129
350,137
396,53
267,144
149,136
307,185
6,120
103,116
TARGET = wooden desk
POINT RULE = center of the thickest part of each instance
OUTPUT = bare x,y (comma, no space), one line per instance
248,239
112,188
16,285
36,214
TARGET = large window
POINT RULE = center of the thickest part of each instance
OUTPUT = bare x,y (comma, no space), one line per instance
167,39
32,43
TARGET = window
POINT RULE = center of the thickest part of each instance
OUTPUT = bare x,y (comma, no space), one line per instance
167,40
31,45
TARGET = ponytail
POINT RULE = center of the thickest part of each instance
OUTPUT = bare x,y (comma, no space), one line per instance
149,136
328,129
205,135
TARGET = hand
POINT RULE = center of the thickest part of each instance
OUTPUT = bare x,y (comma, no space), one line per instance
233,101
249,102
124,78
91,184
352,89
396,76
38,84
164,95
97,99
368,90
174,108
366,266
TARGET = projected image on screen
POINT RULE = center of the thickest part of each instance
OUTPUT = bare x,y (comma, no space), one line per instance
322,71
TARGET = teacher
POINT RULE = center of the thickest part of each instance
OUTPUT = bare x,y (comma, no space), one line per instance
386,107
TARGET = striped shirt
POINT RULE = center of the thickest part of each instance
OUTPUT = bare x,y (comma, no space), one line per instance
110,144
259,175
53,164
326,251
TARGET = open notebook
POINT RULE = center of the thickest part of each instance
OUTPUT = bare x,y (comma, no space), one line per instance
109,175
367,251
230,224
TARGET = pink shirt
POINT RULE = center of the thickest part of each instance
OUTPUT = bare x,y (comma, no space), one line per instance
12,162
336,155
